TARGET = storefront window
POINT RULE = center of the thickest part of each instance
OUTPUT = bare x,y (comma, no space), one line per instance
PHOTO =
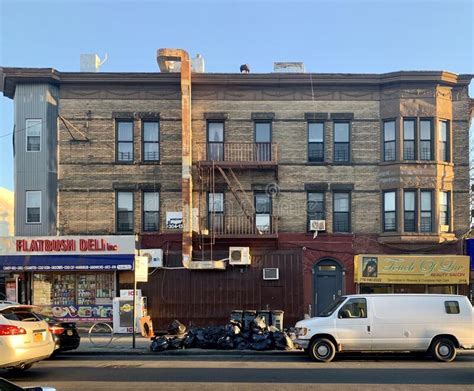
75,295
375,289
409,288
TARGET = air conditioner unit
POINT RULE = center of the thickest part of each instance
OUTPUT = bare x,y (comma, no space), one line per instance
317,225
271,273
239,256
444,228
155,256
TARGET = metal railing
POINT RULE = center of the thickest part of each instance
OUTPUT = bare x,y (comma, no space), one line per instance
237,152
256,225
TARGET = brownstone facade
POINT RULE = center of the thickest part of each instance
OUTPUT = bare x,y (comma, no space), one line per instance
90,176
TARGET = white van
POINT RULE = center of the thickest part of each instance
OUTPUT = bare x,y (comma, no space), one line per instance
438,324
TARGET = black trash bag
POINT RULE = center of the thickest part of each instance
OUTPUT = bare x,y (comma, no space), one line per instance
159,344
245,335
225,343
189,341
176,328
257,330
259,322
232,329
213,335
282,341
243,345
264,344
259,337
175,343
201,339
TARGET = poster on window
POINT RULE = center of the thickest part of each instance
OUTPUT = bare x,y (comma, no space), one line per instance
174,220
79,313
11,289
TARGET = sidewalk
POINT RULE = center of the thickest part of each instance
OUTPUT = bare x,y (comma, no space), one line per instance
122,345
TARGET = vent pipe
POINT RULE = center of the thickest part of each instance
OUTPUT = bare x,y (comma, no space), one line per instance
166,58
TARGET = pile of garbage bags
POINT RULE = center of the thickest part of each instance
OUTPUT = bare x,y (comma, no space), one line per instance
257,336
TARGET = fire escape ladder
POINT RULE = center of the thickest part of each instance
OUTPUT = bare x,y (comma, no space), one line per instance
236,194
243,192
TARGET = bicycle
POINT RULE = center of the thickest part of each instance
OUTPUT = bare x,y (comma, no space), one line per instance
100,330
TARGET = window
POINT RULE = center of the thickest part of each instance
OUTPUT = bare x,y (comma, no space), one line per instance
444,207
151,211
426,140
215,140
33,206
215,208
409,136
389,144
151,141
426,224
389,211
354,308
263,138
409,210
263,210
451,307
125,141
341,212
341,142
124,211
315,207
33,135
316,142
444,154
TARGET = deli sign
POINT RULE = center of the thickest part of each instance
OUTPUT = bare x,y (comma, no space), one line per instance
67,245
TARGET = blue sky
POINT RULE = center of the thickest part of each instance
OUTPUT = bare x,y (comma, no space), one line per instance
328,36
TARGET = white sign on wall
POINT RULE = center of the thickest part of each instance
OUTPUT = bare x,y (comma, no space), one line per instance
174,220
141,269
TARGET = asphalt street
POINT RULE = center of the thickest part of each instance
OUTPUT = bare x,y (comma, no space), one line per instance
237,372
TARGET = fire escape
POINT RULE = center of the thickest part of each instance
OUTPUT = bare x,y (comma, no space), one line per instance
253,217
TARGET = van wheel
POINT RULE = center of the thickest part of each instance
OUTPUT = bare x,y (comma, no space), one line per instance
322,349
444,349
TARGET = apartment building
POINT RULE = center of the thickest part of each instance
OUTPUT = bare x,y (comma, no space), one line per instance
302,187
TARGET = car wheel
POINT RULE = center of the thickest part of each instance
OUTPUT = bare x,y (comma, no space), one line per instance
444,349
322,349
20,368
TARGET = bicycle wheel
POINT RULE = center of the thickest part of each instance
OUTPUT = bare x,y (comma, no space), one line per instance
101,334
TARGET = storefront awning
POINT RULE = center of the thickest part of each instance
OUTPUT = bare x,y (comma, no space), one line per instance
411,269
66,262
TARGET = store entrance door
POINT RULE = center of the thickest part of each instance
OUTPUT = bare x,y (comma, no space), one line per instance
327,284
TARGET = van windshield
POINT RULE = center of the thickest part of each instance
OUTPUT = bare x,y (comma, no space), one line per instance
328,311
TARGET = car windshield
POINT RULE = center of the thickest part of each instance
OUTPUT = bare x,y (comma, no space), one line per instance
21,314
332,307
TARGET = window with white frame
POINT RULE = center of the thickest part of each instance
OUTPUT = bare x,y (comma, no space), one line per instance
124,211
341,212
33,135
151,141
151,211
316,142
125,141
426,214
389,143
444,218
215,208
426,139
389,211
409,215
33,206
341,142
409,137
444,154
315,207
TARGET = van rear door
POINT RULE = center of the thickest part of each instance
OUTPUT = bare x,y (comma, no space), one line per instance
353,325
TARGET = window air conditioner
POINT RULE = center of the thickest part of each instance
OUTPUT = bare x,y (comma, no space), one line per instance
239,256
317,225
271,273
155,256
444,228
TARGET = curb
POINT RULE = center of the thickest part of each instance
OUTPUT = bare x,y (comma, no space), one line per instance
179,352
